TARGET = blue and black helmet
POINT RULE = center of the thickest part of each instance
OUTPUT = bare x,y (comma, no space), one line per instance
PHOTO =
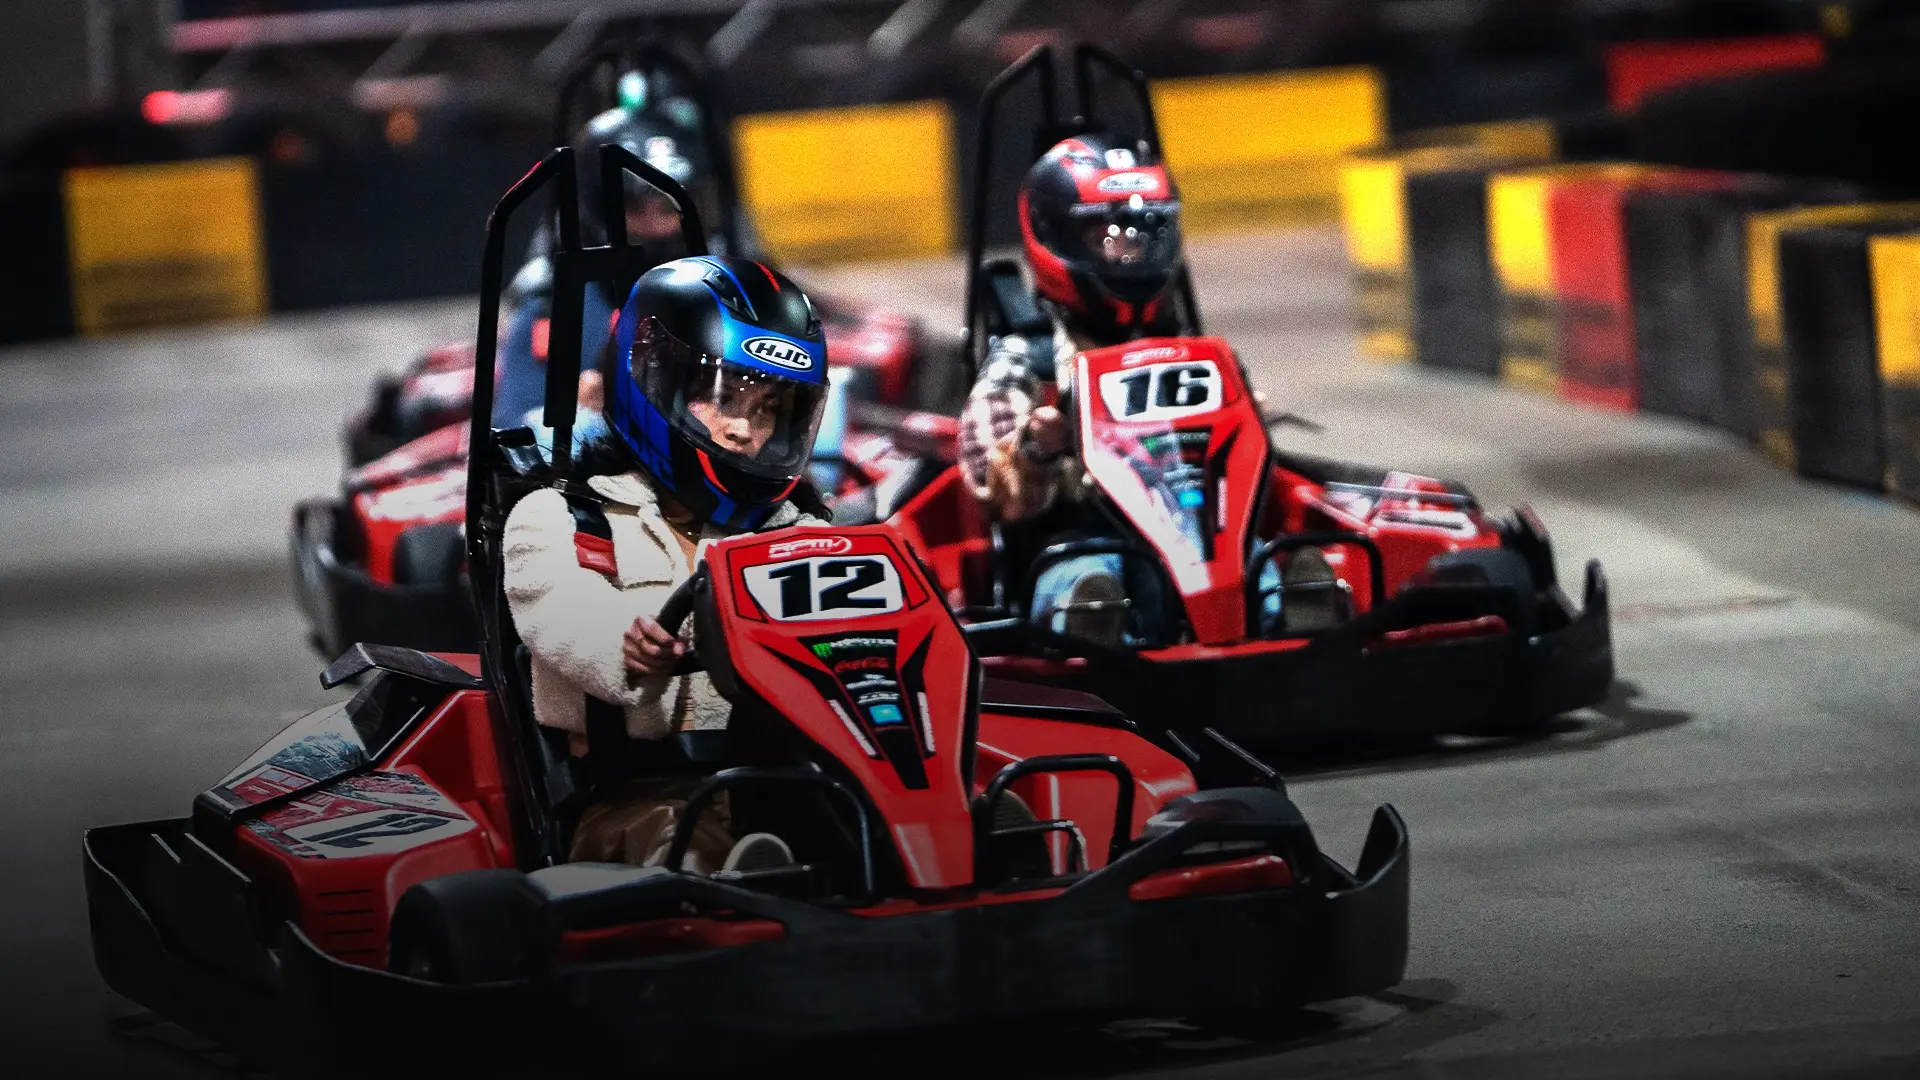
718,379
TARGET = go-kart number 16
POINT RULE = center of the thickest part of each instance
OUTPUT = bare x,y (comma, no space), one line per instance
826,587
1162,391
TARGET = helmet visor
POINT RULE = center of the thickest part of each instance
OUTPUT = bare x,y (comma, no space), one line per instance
759,422
1135,238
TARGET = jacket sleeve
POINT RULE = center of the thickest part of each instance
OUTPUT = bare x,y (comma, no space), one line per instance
1001,399
572,617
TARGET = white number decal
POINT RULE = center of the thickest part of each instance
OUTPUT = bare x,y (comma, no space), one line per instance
845,587
1162,391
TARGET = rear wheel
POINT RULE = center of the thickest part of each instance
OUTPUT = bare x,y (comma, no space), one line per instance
430,555
477,926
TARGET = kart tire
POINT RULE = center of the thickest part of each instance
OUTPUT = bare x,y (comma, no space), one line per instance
430,555
476,926
1501,566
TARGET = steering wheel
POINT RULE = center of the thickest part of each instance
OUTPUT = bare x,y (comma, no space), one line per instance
673,614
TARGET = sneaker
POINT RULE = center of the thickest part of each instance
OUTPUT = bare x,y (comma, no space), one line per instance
1096,611
1311,597
758,851
1023,855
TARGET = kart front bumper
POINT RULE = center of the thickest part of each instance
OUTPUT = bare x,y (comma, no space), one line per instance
344,605
187,936
1338,686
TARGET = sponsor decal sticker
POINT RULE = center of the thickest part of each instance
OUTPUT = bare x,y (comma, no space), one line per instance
812,545
1129,183
779,352
1121,158
1160,352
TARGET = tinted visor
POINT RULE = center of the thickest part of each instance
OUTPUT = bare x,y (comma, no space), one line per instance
1135,238
761,423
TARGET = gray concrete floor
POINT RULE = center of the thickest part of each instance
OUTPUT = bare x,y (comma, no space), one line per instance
1719,869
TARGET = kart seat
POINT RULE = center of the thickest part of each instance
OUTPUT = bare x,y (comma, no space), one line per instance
1011,697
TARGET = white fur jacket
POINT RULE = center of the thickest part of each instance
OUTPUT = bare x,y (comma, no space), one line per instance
573,618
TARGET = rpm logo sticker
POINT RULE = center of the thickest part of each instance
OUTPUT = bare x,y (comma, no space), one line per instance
779,352
812,545
826,587
1129,183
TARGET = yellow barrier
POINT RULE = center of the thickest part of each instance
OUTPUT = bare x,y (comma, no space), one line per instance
1373,200
1520,241
1266,149
1896,300
1535,139
156,244
1769,393
834,184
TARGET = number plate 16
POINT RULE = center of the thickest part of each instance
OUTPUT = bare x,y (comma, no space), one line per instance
826,587
1164,391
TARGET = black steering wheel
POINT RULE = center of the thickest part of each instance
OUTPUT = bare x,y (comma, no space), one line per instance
674,612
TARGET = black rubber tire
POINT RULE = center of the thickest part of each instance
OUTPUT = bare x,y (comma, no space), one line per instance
477,926
430,555
1501,566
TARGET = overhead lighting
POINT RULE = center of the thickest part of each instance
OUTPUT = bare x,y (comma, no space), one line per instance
185,106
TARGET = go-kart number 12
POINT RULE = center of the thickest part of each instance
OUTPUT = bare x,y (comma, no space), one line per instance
1163,391
843,587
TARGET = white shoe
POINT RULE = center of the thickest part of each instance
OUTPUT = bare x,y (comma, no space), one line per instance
758,851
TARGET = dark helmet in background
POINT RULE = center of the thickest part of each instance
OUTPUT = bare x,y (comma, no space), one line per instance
716,382
653,224
1100,220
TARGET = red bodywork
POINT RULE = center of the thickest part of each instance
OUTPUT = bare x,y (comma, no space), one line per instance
1207,432
832,625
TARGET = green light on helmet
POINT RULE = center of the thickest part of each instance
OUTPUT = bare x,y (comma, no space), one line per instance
633,90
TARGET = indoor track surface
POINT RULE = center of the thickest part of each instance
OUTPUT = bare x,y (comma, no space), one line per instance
1717,870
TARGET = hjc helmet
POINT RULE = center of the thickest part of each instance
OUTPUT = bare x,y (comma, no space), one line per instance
653,221
716,381
1101,222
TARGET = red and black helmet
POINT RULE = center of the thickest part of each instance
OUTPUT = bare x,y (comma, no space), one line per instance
1101,223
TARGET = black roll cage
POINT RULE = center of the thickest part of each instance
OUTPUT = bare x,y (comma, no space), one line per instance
575,266
1088,61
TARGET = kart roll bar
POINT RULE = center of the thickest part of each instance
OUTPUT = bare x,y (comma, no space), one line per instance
1376,565
1039,62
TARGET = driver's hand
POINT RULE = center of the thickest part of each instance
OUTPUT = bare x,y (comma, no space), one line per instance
1047,431
649,650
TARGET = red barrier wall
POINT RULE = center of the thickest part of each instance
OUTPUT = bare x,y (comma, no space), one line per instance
1638,68
1599,359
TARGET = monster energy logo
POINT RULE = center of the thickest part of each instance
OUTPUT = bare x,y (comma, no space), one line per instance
825,649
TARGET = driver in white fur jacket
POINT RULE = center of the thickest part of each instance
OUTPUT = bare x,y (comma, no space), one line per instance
704,441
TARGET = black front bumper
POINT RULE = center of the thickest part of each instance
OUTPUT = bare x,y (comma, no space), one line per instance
1337,686
184,934
344,606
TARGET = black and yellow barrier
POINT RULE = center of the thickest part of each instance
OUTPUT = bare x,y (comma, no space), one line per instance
1895,265
831,184
1768,392
1381,237
1265,150
1833,376
154,244
1520,240
1686,268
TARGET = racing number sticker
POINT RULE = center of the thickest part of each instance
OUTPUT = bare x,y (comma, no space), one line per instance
1164,391
830,587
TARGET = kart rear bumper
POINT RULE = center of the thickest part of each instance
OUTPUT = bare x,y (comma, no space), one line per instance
1339,686
221,969
344,605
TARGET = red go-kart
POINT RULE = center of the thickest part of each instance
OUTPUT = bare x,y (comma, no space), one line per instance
391,868
1440,618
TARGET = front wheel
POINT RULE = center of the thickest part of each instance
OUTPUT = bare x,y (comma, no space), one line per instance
478,926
